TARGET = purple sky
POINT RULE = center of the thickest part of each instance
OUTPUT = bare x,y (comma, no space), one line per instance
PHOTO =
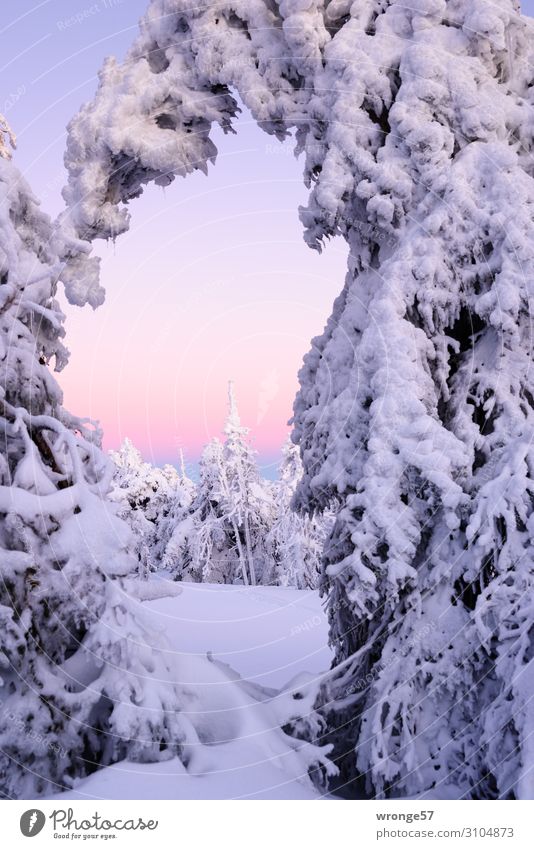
213,281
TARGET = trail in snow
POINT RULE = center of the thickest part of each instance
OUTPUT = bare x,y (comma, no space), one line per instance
238,653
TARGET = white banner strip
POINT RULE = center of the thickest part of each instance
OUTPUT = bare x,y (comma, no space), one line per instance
268,825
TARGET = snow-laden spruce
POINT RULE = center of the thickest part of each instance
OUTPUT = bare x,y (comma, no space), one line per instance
172,545
143,493
247,502
416,403
295,540
220,535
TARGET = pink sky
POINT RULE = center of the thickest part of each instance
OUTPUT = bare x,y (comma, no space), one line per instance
212,282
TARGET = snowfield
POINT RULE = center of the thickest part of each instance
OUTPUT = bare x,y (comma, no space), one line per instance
266,635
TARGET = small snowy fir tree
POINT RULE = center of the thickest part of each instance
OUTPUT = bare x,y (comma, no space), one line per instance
175,546
233,510
213,540
295,541
132,491
144,494
416,406
246,499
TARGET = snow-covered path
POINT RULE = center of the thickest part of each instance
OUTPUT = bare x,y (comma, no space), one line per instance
269,636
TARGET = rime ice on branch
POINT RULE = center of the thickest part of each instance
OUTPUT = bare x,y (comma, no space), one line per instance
416,404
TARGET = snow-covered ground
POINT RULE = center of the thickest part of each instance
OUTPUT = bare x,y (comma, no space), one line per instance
269,636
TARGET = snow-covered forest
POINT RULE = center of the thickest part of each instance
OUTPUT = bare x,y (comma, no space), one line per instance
233,527
405,501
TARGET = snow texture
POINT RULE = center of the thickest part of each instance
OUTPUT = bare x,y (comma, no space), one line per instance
270,635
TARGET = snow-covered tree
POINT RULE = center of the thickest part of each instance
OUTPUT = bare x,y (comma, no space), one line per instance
232,511
133,491
416,404
246,498
142,486
144,494
217,552
174,548
77,679
295,541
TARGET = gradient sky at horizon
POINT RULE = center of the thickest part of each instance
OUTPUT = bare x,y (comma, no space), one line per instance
213,281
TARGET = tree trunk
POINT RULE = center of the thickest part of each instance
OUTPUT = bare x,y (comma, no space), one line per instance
250,556
242,559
